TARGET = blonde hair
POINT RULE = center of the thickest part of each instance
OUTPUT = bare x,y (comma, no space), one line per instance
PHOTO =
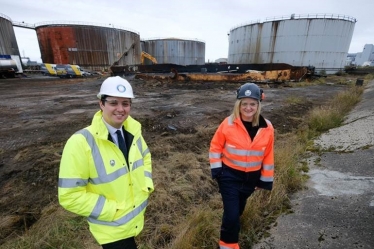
236,112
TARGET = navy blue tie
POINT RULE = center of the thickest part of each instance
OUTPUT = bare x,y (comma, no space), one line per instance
122,144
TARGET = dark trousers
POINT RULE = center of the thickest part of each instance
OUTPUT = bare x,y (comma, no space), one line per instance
235,188
128,243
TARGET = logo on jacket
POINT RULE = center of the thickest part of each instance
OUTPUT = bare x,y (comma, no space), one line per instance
112,162
247,93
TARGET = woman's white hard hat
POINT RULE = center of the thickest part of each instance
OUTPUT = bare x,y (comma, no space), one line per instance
116,87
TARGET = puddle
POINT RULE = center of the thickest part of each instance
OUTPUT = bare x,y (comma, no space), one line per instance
372,202
334,183
76,111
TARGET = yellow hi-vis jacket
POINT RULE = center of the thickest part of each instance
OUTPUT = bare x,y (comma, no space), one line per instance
96,182
232,146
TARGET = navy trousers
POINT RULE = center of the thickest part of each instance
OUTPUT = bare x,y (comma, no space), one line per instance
128,243
235,188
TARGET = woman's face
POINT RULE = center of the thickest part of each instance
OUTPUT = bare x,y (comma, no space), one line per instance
248,108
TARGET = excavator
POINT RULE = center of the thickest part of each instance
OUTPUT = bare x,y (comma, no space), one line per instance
148,56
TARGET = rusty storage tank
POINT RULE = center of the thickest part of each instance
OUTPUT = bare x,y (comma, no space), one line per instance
92,46
8,42
319,40
175,51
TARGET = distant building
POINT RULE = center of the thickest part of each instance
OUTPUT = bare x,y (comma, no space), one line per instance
368,64
366,57
28,63
221,61
351,59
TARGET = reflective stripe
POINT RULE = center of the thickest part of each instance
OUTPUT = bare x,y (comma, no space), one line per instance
99,164
148,174
216,165
244,152
140,147
140,162
267,178
215,155
139,143
144,153
223,245
109,177
124,219
137,164
71,182
98,207
230,120
245,164
268,167
103,177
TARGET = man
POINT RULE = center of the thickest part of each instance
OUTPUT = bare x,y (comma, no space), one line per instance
105,170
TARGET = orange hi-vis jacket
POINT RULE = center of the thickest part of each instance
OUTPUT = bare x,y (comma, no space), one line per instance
232,146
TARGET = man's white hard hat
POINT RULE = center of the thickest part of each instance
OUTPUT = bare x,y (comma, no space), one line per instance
117,87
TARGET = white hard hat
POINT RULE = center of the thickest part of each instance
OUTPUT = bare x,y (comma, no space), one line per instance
116,87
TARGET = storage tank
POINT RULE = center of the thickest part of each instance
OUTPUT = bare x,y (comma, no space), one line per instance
8,42
92,46
175,51
319,40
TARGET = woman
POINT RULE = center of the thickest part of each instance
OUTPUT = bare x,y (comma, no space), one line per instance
241,159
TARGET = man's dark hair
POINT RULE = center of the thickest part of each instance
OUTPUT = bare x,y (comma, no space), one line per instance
103,98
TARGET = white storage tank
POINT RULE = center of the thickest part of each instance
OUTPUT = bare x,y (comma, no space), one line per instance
319,40
175,51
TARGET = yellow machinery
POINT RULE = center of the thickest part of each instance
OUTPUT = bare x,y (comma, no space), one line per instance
148,56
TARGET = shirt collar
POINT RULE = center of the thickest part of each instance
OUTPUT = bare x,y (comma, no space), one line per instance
111,129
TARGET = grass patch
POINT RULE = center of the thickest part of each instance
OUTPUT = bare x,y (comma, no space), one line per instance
294,100
369,77
323,118
58,229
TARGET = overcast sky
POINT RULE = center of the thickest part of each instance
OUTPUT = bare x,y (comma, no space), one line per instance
207,20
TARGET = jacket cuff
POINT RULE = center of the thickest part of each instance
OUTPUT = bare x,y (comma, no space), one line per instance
216,172
265,185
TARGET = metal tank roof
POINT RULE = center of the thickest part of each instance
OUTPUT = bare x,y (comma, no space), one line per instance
5,17
172,50
8,41
90,45
320,40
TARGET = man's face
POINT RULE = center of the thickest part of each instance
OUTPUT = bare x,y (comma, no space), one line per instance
115,110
